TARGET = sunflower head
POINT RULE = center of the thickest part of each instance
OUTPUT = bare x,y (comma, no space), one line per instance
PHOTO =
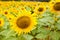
5,12
54,7
23,23
40,9
57,6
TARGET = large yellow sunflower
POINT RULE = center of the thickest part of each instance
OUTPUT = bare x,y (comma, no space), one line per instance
23,23
40,9
1,22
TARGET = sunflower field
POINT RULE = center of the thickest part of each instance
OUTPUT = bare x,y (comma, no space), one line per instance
30,20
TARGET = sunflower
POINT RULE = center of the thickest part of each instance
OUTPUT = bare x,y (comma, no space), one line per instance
5,12
23,23
1,22
40,9
8,14
54,7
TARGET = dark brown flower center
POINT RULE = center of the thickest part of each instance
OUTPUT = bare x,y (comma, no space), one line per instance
40,9
6,12
57,6
0,22
32,12
23,22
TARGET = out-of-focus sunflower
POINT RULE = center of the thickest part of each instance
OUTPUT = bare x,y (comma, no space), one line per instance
54,7
1,22
9,15
23,23
5,12
22,9
40,9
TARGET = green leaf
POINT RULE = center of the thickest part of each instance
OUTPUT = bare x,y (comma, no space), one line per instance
28,37
47,20
21,37
11,38
8,33
41,36
33,32
55,35
1,37
43,33
28,8
58,25
44,30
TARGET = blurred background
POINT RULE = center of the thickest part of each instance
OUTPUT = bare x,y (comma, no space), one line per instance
27,0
